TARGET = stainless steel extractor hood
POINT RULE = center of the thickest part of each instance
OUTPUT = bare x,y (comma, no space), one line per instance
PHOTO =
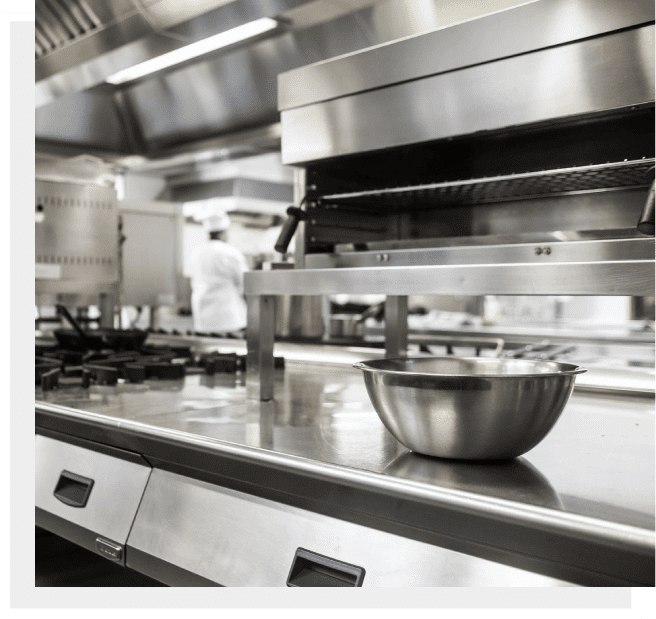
79,43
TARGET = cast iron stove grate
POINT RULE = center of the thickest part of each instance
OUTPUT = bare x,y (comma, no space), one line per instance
56,367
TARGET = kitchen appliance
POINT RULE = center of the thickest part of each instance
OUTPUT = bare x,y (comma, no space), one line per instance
77,244
520,165
470,408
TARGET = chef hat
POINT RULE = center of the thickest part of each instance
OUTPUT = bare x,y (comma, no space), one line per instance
216,223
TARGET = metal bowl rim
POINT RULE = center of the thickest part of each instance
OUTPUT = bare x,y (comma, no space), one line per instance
575,369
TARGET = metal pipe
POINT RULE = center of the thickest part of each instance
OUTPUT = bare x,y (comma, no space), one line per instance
396,325
107,303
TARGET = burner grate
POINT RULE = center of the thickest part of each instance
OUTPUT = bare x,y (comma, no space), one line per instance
57,368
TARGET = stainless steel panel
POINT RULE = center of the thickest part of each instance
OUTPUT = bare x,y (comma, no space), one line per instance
549,250
621,278
238,540
514,31
77,242
115,496
578,78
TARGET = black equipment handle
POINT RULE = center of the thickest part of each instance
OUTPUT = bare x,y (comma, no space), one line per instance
310,569
294,215
72,489
66,314
646,221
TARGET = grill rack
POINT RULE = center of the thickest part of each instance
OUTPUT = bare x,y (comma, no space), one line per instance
544,183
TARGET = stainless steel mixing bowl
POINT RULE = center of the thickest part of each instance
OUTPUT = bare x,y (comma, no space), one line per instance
472,408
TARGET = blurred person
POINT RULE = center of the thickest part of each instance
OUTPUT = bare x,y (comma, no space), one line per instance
217,281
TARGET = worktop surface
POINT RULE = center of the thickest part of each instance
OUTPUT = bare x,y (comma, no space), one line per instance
597,462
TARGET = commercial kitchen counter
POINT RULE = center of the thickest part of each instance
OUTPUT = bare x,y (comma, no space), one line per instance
237,484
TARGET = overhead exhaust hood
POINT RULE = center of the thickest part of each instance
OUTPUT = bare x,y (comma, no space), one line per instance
250,185
205,102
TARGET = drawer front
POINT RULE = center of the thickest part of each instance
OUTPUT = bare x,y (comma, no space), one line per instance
92,490
238,540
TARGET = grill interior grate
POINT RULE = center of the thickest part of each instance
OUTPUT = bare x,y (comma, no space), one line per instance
607,176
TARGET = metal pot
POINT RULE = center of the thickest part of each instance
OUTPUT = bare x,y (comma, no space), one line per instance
299,316
472,408
353,325
346,326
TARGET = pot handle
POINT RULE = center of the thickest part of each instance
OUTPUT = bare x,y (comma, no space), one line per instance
358,365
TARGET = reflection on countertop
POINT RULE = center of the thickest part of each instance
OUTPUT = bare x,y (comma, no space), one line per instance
514,480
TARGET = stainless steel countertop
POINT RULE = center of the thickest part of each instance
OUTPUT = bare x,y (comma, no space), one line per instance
595,468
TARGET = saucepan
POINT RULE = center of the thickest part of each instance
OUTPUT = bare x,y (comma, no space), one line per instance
469,408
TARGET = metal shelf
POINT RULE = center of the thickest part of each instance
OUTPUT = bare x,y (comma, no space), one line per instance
607,176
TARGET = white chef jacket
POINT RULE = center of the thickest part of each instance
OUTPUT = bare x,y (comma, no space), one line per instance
217,285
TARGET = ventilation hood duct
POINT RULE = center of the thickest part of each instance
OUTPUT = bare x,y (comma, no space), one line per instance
249,185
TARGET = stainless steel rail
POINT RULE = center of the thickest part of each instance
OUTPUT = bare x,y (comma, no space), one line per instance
539,252
621,278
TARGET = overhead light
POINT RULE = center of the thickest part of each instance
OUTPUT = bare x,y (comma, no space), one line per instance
193,50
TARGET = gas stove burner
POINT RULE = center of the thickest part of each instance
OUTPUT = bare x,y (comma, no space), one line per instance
57,367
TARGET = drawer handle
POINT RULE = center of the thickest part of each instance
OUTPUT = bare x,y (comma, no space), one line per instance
310,569
72,489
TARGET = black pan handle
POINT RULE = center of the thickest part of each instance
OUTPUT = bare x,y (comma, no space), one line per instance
294,215
646,221
73,489
66,314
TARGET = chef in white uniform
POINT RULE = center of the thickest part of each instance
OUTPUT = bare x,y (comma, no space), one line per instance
217,281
